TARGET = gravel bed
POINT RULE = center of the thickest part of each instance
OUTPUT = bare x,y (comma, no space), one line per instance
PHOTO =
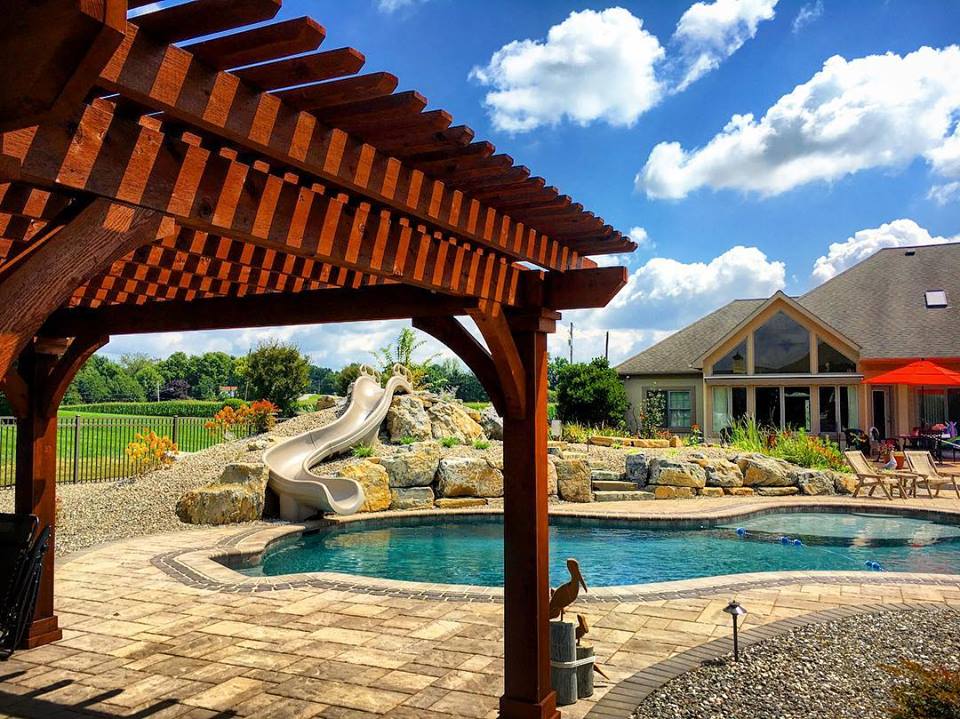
825,670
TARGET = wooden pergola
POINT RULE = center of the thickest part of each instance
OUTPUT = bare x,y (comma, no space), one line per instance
151,181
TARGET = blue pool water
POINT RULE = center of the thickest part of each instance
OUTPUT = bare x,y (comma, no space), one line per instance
469,549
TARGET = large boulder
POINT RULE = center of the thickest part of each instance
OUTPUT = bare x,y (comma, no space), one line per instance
492,423
326,401
844,483
469,477
237,496
663,491
375,482
448,419
720,472
408,418
759,470
676,473
551,476
638,469
573,480
815,482
411,498
414,465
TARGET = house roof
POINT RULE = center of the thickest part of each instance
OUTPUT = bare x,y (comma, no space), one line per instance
878,304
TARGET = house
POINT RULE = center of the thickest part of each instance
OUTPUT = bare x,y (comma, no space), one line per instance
810,361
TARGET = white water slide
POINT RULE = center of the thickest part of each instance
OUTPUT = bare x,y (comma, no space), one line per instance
301,491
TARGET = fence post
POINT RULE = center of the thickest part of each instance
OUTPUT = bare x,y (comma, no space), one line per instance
175,431
76,448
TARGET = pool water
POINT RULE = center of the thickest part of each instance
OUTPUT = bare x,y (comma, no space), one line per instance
469,550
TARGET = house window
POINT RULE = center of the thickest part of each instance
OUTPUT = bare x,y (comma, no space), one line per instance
678,407
935,298
729,406
828,410
768,406
734,362
830,359
796,408
781,346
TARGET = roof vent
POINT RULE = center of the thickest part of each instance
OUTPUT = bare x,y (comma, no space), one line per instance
910,253
935,298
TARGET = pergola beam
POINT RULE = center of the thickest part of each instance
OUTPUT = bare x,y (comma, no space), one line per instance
381,302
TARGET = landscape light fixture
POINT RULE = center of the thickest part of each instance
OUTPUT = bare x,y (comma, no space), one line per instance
735,611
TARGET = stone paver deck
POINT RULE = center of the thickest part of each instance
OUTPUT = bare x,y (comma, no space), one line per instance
139,642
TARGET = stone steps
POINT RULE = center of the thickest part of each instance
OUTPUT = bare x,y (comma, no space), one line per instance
607,485
621,496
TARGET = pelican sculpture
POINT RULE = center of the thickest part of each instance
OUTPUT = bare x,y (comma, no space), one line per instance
566,594
583,629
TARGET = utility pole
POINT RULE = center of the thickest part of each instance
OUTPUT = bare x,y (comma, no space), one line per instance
570,342
158,390
606,348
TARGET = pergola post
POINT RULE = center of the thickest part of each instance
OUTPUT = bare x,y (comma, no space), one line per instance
526,587
44,371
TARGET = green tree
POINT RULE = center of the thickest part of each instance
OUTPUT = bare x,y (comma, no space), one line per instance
176,366
278,372
591,394
553,370
451,376
401,351
323,380
346,376
150,379
133,362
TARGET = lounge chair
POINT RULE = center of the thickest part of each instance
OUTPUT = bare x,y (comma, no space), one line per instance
868,476
929,476
21,561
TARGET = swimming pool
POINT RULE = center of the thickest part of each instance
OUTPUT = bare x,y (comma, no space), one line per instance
468,549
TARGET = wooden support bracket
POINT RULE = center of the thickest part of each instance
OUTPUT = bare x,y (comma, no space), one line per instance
493,325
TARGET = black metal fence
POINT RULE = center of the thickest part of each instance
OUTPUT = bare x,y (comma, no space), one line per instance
91,448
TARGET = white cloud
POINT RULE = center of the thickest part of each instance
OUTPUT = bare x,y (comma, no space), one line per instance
876,111
639,235
595,65
899,233
389,6
942,194
809,13
709,33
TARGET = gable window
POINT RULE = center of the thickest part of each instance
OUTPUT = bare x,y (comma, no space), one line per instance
734,362
781,346
830,359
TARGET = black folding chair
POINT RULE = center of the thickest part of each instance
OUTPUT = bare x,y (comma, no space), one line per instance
21,562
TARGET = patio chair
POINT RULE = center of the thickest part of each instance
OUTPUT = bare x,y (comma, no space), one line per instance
929,476
21,557
868,476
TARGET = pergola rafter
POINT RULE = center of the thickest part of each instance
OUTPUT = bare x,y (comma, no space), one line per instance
253,179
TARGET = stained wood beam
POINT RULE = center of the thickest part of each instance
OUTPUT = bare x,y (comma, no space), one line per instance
26,201
215,194
260,44
265,310
170,80
204,17
493,325
65,45
291,71
577,289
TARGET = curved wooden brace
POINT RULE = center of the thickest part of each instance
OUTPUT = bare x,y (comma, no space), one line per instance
454,335
66,368
506,358
55,265
16,391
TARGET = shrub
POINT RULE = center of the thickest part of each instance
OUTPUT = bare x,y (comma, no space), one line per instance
173,408
450,442
150,451
928,692
481,444
363,450
279,373
346,376
261,415
576,433
795,446
650,416
591,394
407,439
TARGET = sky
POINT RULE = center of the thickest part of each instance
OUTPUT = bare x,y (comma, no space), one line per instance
747,146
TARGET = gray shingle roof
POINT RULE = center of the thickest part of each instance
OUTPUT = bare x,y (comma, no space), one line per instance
878,303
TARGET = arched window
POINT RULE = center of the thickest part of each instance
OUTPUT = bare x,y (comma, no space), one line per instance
781,346
830,359
734,362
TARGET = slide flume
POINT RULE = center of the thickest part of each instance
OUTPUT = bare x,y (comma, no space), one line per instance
290,463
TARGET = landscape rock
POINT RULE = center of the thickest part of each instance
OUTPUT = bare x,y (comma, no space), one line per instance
492,423
414,465
676,473
638,469
326,401
720,472
676,441
739,491
460,502
408,418
259,444
815,482
604,475
760,470
551,477
573,480
844,483
473,414
662,491
711,492
777,491
237,496
411,498
469,477
451,420
375,482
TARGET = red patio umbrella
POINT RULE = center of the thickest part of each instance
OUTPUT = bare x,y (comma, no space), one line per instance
920,373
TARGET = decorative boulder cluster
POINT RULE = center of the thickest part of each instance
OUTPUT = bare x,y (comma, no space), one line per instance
237,496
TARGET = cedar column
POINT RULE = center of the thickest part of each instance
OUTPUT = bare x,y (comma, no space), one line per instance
526,588
36,482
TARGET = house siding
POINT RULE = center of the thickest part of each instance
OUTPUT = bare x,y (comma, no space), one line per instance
637,386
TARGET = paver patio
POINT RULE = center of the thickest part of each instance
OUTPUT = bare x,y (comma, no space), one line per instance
138,642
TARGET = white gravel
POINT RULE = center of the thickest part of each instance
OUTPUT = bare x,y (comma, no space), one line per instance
832,670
